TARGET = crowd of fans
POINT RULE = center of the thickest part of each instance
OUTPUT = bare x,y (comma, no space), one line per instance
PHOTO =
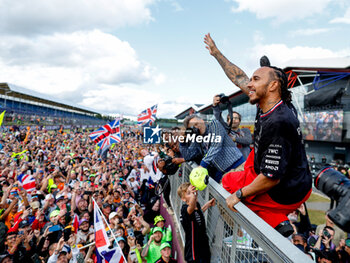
323,243
52,221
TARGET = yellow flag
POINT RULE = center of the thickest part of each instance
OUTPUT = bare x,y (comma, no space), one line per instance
2,117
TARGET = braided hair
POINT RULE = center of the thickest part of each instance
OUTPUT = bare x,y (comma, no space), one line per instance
281,76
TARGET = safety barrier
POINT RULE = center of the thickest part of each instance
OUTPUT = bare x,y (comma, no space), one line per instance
235,237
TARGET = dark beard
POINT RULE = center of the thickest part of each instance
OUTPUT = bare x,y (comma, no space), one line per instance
85,231
255,101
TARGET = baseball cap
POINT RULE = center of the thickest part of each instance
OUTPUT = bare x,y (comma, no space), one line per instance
158,219
53,186
49,196
54,213
164,245
61,197
199,178
82,221
23,223
120,239
156,229
112,215
35,204
106,205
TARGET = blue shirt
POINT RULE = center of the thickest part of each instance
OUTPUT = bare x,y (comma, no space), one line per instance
221,154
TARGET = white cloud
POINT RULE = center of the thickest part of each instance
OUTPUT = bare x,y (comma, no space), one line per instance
37,16
280,54
283,10
90,68
131,101
177,7
345,19
308,31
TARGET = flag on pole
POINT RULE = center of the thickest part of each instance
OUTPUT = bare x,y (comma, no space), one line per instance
105,255
107,134
2,117
148,116
27,181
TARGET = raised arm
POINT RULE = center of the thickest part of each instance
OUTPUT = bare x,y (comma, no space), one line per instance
234,73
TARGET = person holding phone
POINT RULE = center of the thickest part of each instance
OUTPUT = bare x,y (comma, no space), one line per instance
151,251
324,239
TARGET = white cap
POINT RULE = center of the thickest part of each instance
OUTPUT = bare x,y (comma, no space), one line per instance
111,215
49,196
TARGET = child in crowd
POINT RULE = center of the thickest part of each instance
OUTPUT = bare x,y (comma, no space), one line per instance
192,219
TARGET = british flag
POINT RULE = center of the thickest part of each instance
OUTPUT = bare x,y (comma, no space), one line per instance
27,181
148,116
103,253
107,134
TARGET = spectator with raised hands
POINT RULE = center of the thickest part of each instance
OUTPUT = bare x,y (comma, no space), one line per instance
192,219
62,194
159,221
134,255
151,251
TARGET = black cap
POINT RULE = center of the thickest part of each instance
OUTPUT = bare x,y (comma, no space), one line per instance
23,223
60,198
106,205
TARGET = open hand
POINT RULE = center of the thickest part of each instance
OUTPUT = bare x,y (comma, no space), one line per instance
210,44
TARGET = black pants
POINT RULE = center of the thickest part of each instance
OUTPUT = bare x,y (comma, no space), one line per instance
165,183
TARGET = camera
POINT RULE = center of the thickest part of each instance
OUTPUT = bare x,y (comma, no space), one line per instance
168,167
223,98
337,187
190,131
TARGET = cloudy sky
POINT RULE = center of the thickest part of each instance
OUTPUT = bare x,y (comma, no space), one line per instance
122,56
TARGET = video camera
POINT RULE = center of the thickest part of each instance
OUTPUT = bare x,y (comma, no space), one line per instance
337,187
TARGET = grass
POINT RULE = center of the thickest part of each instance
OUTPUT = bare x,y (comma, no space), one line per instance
316,217
318,198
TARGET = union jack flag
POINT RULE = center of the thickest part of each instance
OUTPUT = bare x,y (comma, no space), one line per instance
107,134
27,181
148,116
103,253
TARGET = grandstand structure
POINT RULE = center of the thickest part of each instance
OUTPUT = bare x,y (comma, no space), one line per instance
321,94
27,107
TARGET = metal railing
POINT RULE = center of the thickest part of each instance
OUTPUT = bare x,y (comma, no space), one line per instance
235,237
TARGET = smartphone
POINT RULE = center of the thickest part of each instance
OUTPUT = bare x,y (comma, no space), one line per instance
54,228
133,256
35,258
131,232
66,233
